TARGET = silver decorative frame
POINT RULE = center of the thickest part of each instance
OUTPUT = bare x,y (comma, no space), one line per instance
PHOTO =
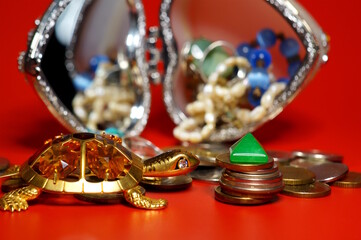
310,33
30,63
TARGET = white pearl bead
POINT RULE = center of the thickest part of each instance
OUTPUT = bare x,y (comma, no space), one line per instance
209,106
243,115
80,113
208,89
257,114
207,130
213,78
195,107
221,68
195,137
210,118
267,100
238,90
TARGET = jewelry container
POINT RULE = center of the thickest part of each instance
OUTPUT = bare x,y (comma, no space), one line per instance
92,63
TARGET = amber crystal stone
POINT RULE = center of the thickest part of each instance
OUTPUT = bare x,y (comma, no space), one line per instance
61,158
105,161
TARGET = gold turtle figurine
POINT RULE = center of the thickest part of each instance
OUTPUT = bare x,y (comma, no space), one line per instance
90,163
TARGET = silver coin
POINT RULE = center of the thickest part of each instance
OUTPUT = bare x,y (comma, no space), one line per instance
329,172
282,157
307,162
207,173
317,154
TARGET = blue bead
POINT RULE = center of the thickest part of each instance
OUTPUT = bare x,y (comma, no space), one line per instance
96,60
82,81
266,38
289,47
293,68
255,99
283,80
114,131
260,58
244,49
258,77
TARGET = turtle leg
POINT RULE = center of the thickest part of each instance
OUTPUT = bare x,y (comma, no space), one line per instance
17,200
135,197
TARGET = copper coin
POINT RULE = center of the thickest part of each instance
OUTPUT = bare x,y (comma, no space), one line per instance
313,190
4,164
251,188
264,171
206,173
317,154
104,198
281,157
250,195
351,180
222,160
226,198
253,178
329,172
167,183
307,162
296,176
12,184
247,176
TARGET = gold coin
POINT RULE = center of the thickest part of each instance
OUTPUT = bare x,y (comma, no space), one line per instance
313,190
222,160
167,183
244,200
296,176
12,184
351,180
104,198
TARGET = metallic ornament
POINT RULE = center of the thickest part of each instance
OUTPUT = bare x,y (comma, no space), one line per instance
99,165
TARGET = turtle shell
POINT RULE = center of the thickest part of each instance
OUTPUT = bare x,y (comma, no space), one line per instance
83,163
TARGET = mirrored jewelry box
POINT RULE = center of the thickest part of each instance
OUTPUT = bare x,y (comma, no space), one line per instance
226,67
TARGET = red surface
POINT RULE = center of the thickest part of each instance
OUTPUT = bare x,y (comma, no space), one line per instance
326,115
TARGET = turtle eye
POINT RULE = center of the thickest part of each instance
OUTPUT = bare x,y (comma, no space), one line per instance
182,163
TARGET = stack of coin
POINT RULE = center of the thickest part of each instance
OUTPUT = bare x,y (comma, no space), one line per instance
248,183
300,182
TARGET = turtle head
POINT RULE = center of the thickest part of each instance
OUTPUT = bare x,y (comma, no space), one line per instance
172,163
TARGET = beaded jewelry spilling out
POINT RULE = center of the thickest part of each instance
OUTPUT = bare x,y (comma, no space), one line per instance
238,89
105,95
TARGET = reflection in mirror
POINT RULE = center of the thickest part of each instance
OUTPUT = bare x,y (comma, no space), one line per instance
232,65
90,63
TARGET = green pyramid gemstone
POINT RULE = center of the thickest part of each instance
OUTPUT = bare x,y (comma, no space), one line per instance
248,150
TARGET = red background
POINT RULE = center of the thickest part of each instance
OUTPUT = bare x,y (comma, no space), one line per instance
326,115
